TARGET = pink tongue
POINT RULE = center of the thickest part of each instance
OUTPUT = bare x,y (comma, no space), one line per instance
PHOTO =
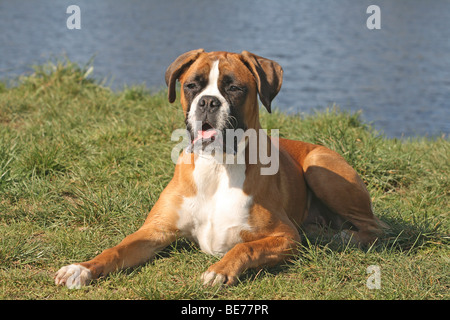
208,134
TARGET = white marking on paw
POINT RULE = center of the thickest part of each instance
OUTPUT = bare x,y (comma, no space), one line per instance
210,278
73,276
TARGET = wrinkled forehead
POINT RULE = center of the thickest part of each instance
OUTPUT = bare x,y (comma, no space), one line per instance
231,67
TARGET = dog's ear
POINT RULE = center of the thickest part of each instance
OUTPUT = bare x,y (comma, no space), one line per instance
176,69
268,75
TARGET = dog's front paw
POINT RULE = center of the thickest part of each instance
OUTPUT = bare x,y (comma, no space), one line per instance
213,277
73,276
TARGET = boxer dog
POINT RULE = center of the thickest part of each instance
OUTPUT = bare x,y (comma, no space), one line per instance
232,210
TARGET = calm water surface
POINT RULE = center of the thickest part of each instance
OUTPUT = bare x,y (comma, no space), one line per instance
398,76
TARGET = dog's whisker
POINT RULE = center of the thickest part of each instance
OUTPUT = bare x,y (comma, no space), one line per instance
230,119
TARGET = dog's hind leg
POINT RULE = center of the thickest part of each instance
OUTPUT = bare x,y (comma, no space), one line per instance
338,186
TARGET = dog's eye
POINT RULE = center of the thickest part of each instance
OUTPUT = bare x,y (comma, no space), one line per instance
234,88
191,86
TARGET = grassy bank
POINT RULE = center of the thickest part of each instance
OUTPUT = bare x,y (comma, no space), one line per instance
81,166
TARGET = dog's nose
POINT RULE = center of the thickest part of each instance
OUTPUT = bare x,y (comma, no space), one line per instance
209,104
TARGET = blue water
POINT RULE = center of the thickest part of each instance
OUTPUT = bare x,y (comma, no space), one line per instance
399,76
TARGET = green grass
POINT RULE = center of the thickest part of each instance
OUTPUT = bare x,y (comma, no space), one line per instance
81,166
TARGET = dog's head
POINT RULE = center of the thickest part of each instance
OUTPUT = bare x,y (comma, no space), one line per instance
219,90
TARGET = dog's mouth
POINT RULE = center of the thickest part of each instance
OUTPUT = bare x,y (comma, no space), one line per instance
207,133
208,138
203,137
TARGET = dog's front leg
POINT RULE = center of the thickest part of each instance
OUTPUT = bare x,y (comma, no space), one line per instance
266,251
137,248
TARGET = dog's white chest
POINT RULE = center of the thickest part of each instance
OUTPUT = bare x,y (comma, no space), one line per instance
217,214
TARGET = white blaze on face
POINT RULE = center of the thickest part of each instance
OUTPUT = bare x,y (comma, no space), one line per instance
212,89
